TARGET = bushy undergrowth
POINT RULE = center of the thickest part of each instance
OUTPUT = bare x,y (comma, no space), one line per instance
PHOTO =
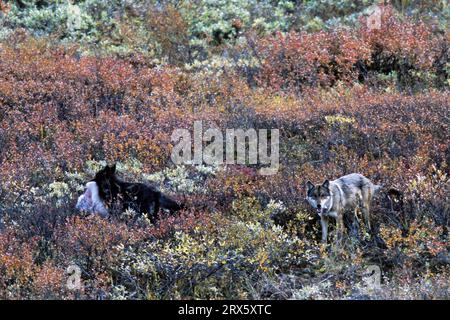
345,100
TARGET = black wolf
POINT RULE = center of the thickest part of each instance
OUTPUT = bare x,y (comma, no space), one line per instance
140,197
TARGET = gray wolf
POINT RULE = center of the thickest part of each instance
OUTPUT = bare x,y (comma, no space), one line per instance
332,198
140,197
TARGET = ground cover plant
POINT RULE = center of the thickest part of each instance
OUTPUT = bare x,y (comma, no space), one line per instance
88,83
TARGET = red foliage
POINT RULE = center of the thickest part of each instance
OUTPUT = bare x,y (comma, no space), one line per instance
303,59
91,242
298,60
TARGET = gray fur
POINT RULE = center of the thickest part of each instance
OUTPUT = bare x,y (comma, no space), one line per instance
332,198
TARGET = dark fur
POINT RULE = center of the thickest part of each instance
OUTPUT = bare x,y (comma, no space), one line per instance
137,196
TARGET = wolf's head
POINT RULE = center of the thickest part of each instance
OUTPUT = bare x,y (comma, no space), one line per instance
104,180
319,197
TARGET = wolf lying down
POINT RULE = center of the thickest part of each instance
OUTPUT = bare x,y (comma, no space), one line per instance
106,188
332,198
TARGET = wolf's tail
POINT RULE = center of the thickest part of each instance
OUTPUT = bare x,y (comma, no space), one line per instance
170,204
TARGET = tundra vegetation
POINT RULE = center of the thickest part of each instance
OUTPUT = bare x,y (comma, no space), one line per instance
89,82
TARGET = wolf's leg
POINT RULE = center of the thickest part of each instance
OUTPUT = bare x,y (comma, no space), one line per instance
153,210
324,224
355,223
366,213
339,227
356,214
365,205
157,207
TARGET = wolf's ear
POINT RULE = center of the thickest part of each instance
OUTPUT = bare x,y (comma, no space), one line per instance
326,184
309,185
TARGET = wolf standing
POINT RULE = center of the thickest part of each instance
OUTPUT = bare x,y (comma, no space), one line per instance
332,198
